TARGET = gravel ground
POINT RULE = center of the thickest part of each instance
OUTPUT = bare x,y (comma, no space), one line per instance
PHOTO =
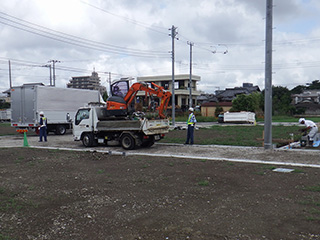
168,191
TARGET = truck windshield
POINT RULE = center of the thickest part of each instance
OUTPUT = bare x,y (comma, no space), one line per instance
82,114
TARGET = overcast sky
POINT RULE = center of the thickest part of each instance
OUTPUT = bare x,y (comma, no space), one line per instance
130,38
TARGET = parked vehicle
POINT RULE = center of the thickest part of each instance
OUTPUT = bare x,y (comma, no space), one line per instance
119,121
237,117
5,115
94,126
58,104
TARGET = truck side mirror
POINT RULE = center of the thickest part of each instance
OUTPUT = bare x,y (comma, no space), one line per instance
68,117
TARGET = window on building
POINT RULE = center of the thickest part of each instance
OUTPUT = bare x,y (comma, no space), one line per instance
181,84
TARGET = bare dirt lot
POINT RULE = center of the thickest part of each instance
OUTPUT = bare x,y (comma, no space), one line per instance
60,194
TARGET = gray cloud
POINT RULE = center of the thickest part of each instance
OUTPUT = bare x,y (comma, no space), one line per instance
130,38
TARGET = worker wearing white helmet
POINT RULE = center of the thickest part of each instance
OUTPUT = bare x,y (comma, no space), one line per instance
43,127
191,122
309,125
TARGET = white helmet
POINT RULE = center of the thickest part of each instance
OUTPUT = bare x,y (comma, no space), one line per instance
301,120
191,109
41,113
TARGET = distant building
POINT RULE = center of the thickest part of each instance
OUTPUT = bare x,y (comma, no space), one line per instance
87,82
309,100
181,89
208,109
223,98
307,96
229,94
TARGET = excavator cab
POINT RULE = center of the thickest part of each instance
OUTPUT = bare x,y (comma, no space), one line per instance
116,105
120,88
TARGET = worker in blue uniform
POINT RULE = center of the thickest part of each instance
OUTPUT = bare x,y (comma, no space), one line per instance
191,122
43,127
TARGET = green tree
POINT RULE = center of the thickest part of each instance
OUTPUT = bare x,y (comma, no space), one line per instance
218,110
250,102
105,96
298,89
314,85
281,100
4,104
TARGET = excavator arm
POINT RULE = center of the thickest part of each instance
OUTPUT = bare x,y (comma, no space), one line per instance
117,105
155,90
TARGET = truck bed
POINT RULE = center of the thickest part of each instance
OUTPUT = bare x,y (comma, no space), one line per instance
149,127
119,125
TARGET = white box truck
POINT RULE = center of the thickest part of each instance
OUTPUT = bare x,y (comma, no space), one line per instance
5,115
238,117
58,104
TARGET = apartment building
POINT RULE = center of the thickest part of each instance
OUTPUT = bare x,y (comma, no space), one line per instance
181,88
87,82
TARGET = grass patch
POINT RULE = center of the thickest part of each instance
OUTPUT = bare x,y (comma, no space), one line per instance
145,166
310,202
269,167
315,188
5,237
290,119
203,183
10,204
310,218
261,173
184,117
237,135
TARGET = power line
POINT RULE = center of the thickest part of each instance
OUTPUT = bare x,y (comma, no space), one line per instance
135,22
74,40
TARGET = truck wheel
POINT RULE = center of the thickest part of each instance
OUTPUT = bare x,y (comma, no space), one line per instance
127,141
87,140
61,130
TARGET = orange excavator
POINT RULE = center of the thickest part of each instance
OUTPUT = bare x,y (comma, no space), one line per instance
119,104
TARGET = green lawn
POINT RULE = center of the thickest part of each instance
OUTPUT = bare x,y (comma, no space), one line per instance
274,119
236,135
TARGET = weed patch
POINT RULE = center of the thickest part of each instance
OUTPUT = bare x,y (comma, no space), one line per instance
203,183
315,188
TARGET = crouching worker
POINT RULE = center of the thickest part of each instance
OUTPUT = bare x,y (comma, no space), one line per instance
309,126
43,127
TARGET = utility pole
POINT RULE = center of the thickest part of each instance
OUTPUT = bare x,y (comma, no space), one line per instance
54,70
173,36
49,66
190,77
110,83
10,80
268,79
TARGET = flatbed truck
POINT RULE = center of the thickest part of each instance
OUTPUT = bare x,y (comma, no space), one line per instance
93,125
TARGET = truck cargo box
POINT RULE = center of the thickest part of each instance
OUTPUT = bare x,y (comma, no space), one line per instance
5,114
239,117
28,100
